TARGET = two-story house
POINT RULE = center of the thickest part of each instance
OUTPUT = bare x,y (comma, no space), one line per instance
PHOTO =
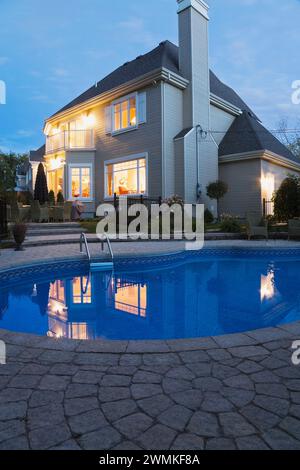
164,124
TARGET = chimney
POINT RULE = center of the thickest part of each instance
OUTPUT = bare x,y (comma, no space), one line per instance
194,62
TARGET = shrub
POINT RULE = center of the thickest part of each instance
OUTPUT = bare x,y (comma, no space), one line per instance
208,217
41,188
230,224
174,200
216,191
51,197
25,197
19,234
287,199
60,198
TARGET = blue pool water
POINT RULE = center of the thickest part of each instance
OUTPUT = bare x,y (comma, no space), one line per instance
199,296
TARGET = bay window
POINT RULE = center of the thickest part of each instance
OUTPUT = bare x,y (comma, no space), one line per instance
127,177
80,182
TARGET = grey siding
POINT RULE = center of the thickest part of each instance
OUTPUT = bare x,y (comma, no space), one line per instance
172,109
220,121
279,172
243,179
147,138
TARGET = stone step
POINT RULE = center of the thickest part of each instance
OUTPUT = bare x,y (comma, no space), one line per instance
55,232
51,226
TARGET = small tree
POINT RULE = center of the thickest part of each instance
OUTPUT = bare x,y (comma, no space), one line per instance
51,197
216,191
60,198
287,199
41,187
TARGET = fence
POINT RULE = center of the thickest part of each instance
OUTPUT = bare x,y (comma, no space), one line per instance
3,219
146,201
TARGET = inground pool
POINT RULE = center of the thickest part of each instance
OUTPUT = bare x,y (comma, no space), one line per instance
209,293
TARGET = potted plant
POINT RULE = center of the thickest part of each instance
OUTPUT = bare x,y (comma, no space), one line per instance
51,197
60,199
19,233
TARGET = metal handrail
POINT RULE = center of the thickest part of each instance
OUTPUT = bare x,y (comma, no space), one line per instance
107,240
83,239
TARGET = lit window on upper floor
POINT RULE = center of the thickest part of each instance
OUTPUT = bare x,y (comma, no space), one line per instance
125,114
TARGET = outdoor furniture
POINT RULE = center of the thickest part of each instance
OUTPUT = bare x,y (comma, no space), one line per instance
17,213
63,213
39,213
256,225
294,228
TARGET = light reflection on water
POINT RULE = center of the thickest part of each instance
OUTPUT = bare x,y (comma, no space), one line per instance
203,298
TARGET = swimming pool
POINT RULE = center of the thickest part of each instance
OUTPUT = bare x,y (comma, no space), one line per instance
211,293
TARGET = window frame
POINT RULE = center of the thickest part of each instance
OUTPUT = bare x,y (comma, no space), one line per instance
119,101
80,166
107,163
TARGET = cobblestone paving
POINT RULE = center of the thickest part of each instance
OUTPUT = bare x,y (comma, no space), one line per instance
232,392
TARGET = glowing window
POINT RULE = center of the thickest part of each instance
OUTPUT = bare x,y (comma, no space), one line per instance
132,299
80,182
128,177
82,292
124,114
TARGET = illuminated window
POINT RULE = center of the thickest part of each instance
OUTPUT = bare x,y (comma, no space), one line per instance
80,182
78,331
124,114
82,292
132,299
57,291
125,178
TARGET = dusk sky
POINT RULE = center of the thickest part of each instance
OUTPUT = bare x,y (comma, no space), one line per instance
52,52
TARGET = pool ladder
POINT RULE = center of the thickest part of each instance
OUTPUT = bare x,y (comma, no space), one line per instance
98,265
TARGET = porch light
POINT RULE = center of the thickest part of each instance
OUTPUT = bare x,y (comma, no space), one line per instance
55,164
268,186
88,121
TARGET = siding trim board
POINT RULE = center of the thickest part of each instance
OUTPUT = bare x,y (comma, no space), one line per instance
264,155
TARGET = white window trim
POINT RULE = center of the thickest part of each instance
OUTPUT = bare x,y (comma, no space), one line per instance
80,165
120,101
138,156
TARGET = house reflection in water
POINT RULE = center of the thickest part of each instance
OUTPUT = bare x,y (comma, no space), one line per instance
74,313
64,299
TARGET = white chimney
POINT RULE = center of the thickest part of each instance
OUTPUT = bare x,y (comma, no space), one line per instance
194,61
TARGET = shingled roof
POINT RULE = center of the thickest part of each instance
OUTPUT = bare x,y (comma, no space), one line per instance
165,55
37,155
246,134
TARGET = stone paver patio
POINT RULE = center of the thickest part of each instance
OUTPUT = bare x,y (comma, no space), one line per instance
232,392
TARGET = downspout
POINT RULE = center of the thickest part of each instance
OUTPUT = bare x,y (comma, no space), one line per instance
200,135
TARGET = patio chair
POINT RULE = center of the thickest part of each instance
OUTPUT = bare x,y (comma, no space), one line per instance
67,211
39,213
294,228
63,213
256,225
